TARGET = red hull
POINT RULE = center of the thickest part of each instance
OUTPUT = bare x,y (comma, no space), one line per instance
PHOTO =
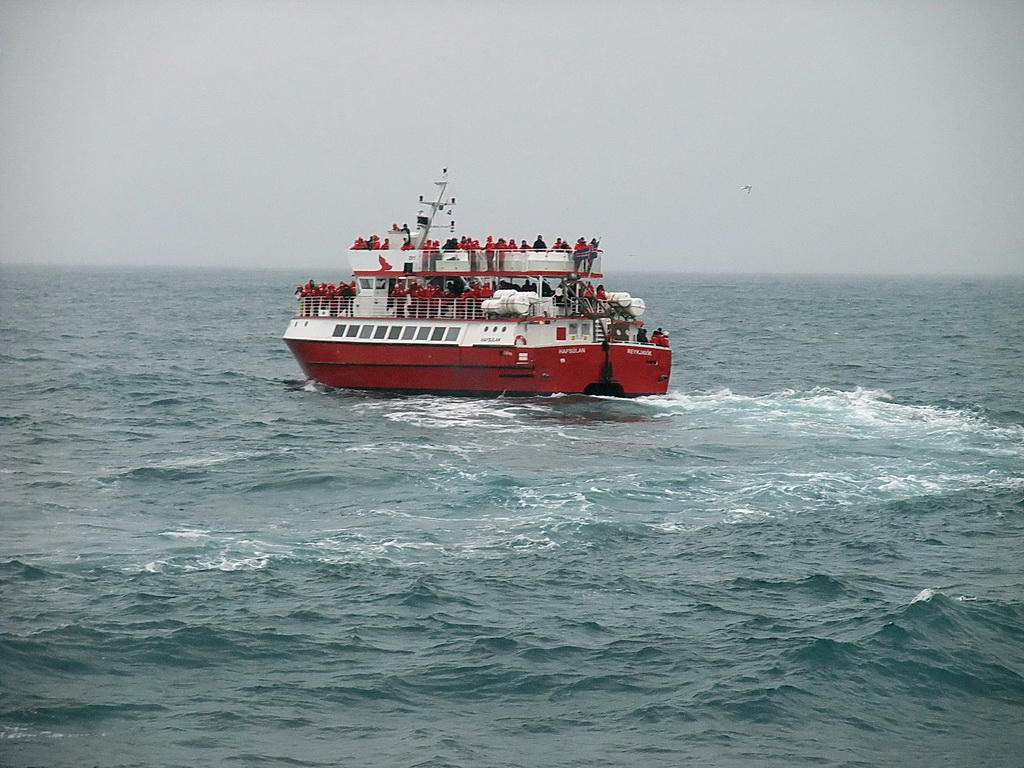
635,369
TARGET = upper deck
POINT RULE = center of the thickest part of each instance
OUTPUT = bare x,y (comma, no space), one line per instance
393,262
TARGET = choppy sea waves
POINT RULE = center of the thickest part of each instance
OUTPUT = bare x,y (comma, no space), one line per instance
807,553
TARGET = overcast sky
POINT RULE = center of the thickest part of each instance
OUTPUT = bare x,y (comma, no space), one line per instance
878,137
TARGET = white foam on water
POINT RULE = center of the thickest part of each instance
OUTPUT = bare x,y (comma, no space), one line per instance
189,534
227,563
531,543
394,446
843,446
746,515
214,552
492,416
15,732
923,596
552,499
676,526
209,459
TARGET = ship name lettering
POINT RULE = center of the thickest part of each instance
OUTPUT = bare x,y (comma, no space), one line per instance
572,350
490,338
639,352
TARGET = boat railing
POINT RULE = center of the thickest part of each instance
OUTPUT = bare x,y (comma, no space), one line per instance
469,308
405,307
475,261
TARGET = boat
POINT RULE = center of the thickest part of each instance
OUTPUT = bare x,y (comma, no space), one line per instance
465,318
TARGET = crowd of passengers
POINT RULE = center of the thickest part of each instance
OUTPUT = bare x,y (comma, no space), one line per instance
452,289
452,298
374,243
583,253
326,290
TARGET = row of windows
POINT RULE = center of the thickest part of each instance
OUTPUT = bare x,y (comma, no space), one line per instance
397,332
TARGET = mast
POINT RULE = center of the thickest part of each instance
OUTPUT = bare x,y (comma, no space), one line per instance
425,221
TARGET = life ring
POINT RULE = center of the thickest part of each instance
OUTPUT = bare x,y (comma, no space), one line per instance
520,341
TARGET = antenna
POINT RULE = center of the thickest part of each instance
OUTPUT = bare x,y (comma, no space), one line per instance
424,223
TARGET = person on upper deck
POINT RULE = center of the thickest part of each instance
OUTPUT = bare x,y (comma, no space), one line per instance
579,255
594,250
489,248
539,244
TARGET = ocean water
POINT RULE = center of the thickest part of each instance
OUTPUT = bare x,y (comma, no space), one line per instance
810,552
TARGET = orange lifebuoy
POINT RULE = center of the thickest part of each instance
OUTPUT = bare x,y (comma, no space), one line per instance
520,341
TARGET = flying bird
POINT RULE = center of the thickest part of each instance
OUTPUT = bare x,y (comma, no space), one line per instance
746,189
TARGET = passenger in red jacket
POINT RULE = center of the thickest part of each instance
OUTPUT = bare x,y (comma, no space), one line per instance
594,250
397,299
579,255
